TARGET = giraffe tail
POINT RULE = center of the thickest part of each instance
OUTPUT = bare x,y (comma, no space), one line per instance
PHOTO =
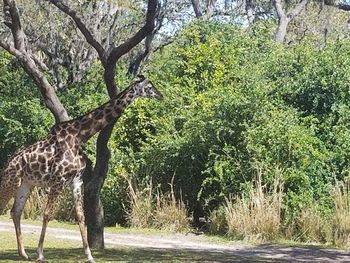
5,196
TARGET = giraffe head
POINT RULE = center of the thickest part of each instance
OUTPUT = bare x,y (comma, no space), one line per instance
145,88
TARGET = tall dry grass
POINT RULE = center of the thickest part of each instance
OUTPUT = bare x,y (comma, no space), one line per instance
341,220
65,210
217,221
150,208
35,204
170,213
311,226
142,207
257,216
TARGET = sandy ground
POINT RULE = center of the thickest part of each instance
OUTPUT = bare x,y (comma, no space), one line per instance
190,242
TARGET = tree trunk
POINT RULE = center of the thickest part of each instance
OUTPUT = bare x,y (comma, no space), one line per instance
92,205
197,8
281,30
284,18
94,179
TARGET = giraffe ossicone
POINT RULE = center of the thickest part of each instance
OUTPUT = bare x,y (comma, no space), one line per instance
57,161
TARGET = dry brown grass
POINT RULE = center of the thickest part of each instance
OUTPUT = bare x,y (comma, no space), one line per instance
35,204
152,209
341,221
65,210
141,211
217,221
312,227
256,217
170,213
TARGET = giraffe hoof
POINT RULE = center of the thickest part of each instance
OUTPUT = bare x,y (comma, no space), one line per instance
41,259
90,261
25,257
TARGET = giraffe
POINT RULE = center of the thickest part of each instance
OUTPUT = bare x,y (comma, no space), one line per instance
57,161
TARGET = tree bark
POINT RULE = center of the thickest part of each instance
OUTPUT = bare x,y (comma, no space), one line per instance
135,64
197,8
284,18
209,10
281,30
93,182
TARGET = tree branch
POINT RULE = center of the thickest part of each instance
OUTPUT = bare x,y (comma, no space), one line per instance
342,6
197,8
11,49
297,9
81,26
134,66
110,57
147,29
210,9
11,11
279,8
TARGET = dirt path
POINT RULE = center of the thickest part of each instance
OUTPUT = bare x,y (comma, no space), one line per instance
199,244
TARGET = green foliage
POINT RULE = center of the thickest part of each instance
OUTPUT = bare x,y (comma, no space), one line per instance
23,117
235,100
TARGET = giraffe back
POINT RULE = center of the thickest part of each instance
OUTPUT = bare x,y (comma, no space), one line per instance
55,159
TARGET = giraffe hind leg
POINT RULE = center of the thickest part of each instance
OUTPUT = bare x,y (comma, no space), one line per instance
21,197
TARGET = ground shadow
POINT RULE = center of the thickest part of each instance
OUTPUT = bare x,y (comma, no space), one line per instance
135,255
306,253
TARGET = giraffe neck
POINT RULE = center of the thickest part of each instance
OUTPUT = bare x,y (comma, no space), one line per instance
97,119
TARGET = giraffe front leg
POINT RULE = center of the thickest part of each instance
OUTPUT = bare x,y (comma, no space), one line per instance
76,187
50,208
21,197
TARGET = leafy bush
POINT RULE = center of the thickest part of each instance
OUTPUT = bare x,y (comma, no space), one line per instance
23,117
